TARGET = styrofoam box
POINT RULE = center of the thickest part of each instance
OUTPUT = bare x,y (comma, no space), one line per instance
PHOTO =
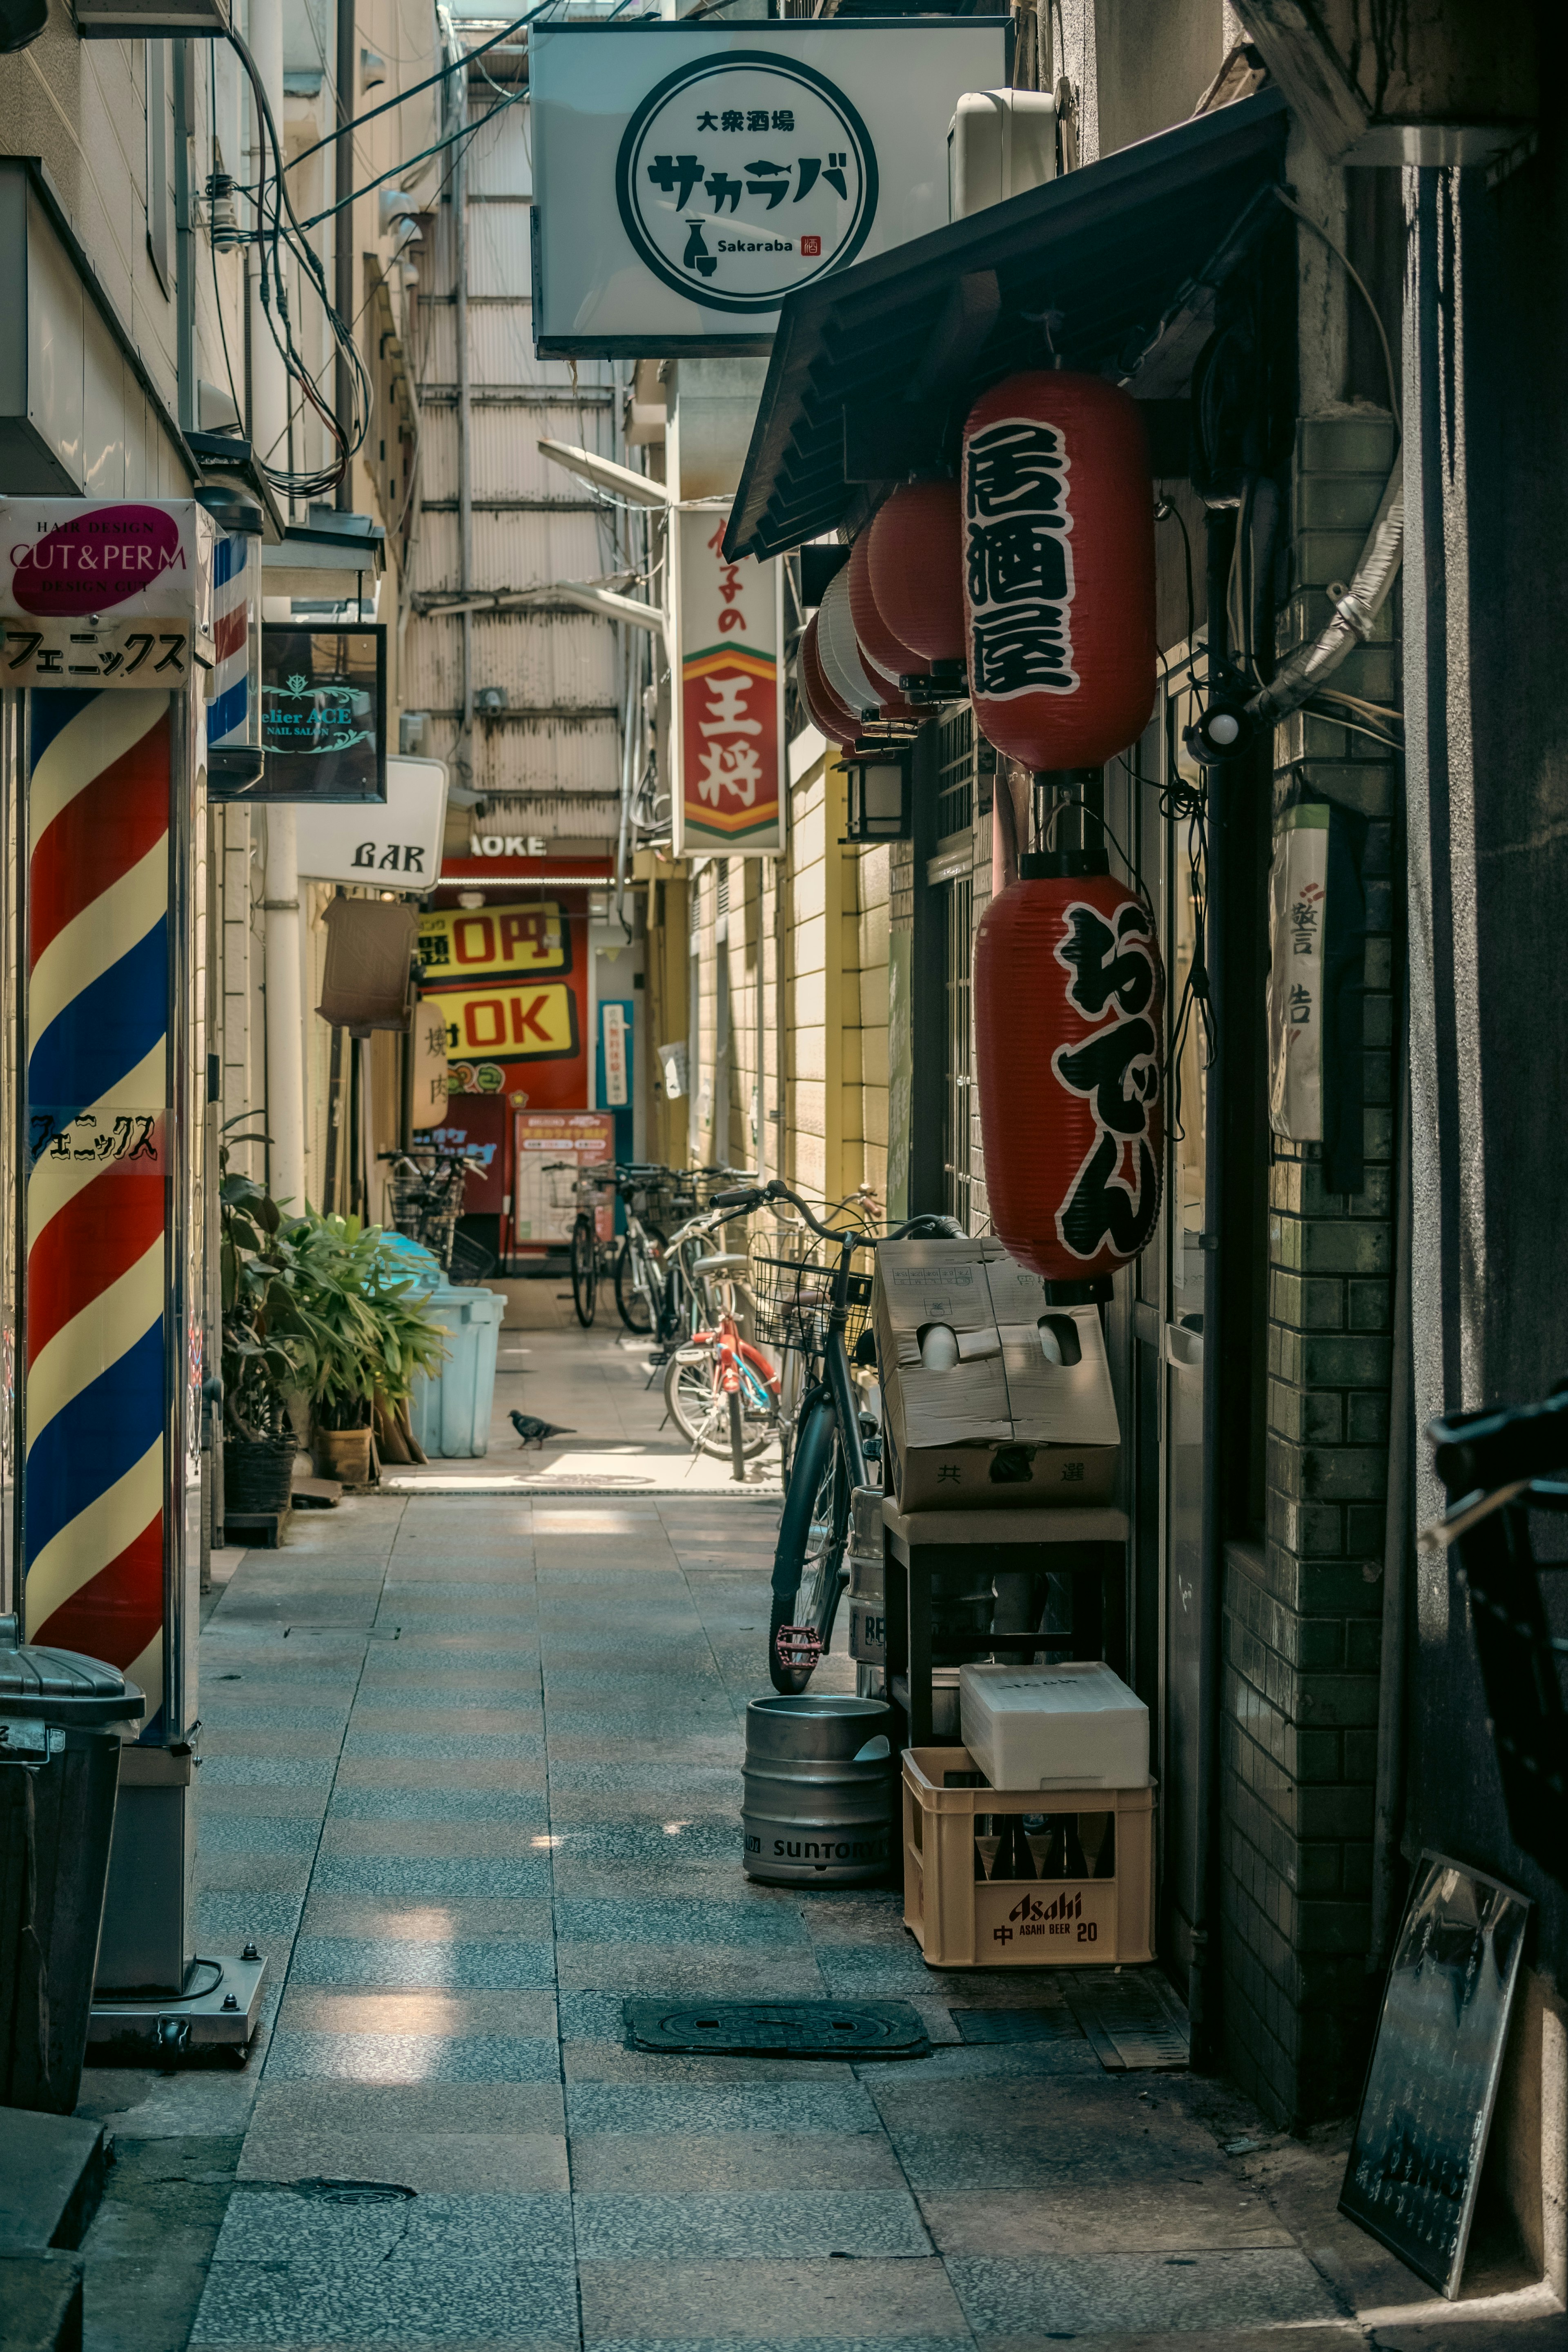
1073,1725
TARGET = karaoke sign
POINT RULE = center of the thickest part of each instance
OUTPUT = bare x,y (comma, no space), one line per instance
729,717
100,592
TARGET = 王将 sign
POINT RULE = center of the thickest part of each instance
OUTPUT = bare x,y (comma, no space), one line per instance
728,710
690,175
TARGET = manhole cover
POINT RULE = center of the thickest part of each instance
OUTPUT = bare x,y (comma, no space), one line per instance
1130,2016
778,2029
1057,2024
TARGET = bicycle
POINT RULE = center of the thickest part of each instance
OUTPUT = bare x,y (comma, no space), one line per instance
802,1305
720,1390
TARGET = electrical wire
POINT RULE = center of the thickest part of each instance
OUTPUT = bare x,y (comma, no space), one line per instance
1359,284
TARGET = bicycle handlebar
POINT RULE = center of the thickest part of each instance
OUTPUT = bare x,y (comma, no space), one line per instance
751,1197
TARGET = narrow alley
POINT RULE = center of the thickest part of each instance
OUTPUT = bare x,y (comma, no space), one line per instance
472,1779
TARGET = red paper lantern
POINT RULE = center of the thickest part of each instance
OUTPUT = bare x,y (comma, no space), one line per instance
1058,573
915,562
1070,994
892,659
828,715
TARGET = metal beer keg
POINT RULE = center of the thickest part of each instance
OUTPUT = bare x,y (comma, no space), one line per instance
820,1780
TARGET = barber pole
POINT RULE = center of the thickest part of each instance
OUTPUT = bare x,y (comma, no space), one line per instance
97,1404
232,699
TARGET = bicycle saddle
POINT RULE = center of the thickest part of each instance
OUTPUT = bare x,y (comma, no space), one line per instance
726,1262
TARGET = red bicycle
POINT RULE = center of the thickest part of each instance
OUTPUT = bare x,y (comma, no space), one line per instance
722,1392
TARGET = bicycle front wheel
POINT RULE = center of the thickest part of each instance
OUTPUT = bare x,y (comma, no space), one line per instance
584,1271
698,1405
635,1285
813,1532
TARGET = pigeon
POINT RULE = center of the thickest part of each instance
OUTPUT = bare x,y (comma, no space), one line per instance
533,1432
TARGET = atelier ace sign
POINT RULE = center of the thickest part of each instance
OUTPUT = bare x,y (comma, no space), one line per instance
690,176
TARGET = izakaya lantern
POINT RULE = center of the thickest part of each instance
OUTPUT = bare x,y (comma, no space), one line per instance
1070,994
915,562
888,654
828,715
1058,569
845,663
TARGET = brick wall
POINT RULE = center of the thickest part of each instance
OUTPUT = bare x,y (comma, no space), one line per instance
1303,1608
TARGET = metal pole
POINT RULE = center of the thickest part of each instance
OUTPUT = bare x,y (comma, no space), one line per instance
343,237
464,759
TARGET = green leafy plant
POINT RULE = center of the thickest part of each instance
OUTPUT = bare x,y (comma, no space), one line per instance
267,1349
367,1328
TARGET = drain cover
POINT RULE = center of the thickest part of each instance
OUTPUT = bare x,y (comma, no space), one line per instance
1057,2024
778,2029
1131,2017
353,2192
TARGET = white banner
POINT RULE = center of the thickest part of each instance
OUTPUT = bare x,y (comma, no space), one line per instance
1297,911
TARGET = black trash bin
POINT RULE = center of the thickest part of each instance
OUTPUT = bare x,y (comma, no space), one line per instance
60,1721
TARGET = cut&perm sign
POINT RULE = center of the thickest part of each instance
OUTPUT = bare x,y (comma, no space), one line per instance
729,713
690,177
105,592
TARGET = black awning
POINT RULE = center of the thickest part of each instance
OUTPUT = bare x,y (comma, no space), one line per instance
1122,258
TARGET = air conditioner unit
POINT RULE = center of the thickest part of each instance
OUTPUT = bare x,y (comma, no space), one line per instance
152,20
1000,143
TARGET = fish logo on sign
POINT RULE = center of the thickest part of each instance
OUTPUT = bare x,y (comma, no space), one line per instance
744,177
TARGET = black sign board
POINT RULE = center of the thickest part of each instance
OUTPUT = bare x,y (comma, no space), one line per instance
324,714
1416,2161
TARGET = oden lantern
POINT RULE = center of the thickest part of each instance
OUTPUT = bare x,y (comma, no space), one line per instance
1069,1006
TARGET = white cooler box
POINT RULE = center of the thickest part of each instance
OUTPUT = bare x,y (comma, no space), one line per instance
1072,1726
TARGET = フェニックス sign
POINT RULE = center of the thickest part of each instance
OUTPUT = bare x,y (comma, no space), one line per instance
690,176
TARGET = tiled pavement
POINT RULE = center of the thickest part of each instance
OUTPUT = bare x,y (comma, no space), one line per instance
471,1777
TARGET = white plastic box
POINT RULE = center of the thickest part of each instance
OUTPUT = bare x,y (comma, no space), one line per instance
1074,1725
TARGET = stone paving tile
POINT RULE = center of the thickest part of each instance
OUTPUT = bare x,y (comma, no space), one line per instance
472,1918
812,2107
420,1878
388,2109
1206,2290
528,2015
229,1918
864,2300
226,1797
763,1972
393,1773
228,1831
398,1961
259,1873
450,1837
442,1746
1177,2216
410,2058
455,2163
745,1922
703,2163
526,1810
737,2228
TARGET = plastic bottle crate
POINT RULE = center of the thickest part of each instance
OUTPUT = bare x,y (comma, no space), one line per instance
961,1921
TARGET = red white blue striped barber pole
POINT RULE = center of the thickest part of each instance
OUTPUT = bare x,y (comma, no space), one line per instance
93,1496
228,713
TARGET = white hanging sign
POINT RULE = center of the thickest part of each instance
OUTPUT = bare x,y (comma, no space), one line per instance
689,175
613,1020
727,710
105,592
391,847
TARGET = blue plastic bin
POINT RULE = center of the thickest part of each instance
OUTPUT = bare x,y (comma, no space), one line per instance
450,1411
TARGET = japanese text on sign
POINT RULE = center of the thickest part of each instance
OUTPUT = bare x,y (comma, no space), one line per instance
1018,551
1114,1198
729,716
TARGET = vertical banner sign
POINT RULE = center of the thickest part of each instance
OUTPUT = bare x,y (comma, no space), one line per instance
613,1020
99,1145
729,713
1297,906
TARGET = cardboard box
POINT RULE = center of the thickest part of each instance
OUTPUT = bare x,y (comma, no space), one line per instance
1004,1428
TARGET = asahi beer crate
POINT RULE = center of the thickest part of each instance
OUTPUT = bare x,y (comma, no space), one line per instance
1074,1887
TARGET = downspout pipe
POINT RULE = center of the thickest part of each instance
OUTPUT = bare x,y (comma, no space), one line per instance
1389,1802
1202,1987
464,759
1355,610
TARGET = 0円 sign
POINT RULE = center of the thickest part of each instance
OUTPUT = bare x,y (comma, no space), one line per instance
743,177
690,176
728,710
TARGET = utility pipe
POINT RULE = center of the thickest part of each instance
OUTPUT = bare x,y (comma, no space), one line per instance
464,759
347,78
280,893
1396,1560
1203,1998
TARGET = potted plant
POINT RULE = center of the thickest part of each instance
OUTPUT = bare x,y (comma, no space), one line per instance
267,1347
368,1333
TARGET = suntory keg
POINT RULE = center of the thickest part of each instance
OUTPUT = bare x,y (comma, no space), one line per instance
820,1780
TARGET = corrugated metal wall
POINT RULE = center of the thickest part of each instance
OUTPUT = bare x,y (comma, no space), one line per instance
554,753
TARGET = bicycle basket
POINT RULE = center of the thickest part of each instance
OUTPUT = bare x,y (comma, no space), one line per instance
470,1260
793,1297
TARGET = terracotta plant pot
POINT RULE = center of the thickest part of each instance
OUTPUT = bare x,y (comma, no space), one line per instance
344,1453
